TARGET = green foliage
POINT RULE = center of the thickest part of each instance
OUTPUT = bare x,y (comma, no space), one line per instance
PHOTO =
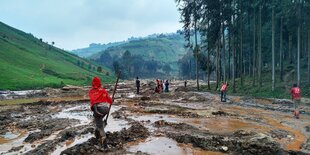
28,63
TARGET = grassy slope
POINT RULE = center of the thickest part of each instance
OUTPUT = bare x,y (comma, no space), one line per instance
23,57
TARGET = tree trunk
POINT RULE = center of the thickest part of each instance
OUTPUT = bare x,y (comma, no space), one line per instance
208,63
234,59
298,55
290,49
309,58
234,64
217,64
281,49
254,50
260,48
298,46
209,68
196,48
224,53
273,50
241,51
229,53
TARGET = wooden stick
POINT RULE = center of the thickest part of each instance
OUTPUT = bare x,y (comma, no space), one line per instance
115,87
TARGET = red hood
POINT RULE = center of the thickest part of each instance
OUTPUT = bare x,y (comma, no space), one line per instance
96,83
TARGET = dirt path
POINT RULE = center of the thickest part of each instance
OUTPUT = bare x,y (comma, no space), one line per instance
178,122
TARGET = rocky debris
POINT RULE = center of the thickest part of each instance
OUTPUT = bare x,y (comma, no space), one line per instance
75,131
151,84
114,142
47,127
232,144
38,135
4,121
178,126
306,146
145,98
8,95
66,91
44,149
15,149
220,113
283,102
279,134
54,124
308,128
181,89
240,142
176,111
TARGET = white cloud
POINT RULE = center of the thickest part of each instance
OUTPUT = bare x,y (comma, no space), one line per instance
76,23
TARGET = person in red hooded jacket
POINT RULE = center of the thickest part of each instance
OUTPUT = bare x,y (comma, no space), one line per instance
223,91
295,92
99,104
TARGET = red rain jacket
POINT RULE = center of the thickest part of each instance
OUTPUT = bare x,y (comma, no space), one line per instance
98,94
295,92
224,87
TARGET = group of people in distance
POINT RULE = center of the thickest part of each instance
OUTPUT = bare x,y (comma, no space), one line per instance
162,86
100,101
295,94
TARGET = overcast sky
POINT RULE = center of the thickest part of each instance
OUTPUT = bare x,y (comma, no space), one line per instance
77,23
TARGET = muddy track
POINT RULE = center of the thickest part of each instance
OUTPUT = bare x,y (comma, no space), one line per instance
179,122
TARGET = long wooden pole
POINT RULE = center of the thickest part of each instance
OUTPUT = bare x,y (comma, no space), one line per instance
115,87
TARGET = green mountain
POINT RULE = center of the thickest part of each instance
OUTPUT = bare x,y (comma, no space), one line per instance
164,48
26,62
156,55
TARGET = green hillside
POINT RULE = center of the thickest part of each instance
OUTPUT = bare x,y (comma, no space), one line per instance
27,62
162,48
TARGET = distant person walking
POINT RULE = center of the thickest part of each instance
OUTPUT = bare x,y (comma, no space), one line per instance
185,83
223,91
99,104
157,89
295,92
167,86
138,85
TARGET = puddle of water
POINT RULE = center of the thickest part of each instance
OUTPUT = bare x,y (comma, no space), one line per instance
10,135
83,116
166,146
7,144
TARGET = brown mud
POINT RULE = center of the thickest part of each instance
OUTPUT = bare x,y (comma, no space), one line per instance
179,122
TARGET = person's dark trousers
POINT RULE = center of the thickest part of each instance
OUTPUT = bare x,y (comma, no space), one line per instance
138,90
223,96
103,109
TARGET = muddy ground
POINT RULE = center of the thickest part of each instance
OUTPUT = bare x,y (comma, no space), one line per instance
179,122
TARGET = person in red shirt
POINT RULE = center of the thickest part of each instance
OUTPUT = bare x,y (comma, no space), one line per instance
99,104
223,91
295,92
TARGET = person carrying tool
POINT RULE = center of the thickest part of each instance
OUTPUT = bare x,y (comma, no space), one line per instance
138,85
223,91
295,92
99,104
